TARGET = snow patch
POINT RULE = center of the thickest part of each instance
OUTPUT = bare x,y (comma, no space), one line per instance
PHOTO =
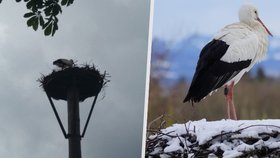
226,138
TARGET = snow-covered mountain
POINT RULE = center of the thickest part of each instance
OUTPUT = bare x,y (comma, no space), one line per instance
182,56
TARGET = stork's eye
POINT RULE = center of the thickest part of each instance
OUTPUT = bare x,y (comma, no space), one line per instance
256,12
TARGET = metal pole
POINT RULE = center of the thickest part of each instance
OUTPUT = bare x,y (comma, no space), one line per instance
89,115
57,116
74,136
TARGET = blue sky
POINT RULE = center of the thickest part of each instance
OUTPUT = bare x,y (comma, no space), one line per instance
174,19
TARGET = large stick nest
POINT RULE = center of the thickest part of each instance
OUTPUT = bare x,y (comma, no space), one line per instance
183,142
87,79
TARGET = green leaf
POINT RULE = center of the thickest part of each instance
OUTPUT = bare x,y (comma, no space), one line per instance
35,24
59,8
55,27
31,21
48,3
56,19
48,29
40,4
63,2
29,5
28,14
44,13
46,24
53,32
67,2
55,11
42,22
48,10
70,2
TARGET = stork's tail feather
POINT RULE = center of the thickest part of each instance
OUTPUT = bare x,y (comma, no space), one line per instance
188,99
191,98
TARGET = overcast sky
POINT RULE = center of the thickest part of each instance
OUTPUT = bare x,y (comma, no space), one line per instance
174,19
113,35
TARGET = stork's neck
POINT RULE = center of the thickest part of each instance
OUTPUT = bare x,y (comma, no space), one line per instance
263,41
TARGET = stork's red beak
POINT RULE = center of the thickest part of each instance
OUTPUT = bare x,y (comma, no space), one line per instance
265,27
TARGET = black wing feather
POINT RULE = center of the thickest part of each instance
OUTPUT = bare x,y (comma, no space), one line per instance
212,73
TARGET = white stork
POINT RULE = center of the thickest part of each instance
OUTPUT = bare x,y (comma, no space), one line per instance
64,63
232,52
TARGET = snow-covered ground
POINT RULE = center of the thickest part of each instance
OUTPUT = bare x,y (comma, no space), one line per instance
224,138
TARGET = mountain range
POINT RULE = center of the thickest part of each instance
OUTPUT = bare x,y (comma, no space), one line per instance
177,59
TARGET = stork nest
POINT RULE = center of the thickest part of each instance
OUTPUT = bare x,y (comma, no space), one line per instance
186,144
87,79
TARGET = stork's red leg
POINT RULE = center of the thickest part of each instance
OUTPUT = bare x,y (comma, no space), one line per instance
230,105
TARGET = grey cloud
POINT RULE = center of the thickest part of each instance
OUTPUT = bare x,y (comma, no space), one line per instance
109,34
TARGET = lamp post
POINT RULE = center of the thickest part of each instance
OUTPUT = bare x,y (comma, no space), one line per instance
74,85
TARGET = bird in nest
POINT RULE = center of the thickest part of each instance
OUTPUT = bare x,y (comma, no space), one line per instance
64,63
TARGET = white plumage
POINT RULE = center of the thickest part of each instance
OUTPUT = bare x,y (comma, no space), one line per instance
247,40
233,51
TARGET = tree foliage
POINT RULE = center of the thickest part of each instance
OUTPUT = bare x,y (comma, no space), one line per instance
43,13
